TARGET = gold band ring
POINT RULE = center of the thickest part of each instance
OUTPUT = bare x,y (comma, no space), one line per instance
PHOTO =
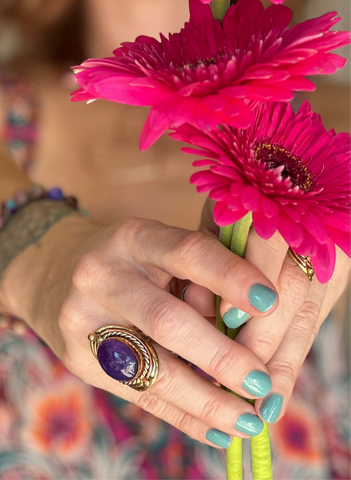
125,355
304,263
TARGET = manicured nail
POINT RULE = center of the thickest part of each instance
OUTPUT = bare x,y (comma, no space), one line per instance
258,383
249,424
262,298
271,407
235,317
218,438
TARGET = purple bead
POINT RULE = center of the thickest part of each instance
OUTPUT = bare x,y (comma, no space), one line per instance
118,360
55,194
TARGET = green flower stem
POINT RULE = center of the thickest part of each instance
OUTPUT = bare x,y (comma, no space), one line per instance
235,460
235,237
219,8
261,458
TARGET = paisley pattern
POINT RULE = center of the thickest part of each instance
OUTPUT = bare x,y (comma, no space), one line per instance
54,426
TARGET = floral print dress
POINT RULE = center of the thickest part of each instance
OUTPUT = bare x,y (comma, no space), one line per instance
54,426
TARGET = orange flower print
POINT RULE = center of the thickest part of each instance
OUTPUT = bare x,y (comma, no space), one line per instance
58,420
298,435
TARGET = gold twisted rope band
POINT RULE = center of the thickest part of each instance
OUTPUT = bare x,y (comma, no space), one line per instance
139,344
304,263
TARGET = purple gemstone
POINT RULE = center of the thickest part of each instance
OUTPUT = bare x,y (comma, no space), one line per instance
118,360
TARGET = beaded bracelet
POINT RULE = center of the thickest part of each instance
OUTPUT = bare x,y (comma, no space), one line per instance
37,192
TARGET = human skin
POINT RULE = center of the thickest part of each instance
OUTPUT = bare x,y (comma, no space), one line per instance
46,284
67,276
77,276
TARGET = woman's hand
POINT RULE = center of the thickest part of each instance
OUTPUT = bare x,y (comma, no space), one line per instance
283,338
78,276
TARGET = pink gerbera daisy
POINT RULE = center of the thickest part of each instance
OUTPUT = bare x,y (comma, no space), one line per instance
286,169
205,74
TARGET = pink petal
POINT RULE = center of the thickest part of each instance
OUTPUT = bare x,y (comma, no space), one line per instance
324,262
265,227
251,199
290,231
199,12
223,216
152,131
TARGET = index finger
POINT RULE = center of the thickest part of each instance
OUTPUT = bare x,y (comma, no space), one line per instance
206,262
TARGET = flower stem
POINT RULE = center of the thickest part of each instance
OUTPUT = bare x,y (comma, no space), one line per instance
219,8
261,458
234,460
235,237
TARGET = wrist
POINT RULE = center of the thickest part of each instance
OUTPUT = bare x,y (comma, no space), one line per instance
41,243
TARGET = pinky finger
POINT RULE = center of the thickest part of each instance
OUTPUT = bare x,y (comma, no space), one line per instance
183,421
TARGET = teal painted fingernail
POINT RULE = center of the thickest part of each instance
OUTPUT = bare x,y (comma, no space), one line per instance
249,424
262,298
271,407
258,384
218,438
235,317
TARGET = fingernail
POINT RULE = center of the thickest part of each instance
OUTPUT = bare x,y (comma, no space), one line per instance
249,424
258,383
262,297
218,438
235,317
271,407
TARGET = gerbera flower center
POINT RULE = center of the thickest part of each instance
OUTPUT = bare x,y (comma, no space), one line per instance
275,156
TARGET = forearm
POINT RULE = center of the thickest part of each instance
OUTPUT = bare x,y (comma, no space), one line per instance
37,255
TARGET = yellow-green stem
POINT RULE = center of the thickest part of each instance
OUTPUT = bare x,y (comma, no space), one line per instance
234,460
261,458
219,8
233,237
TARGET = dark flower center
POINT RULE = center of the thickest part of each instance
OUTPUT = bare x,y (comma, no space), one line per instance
275,156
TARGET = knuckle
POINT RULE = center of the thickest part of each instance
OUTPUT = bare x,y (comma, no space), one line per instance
127,231
191,245
286,370
211,410
164,320
306,321
88,267
185,423
222,363
296,283
264,345
150,403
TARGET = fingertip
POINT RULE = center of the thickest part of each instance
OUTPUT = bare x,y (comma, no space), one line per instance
234,317
271,408
262,298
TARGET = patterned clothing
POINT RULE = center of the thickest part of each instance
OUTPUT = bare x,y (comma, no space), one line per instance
54,426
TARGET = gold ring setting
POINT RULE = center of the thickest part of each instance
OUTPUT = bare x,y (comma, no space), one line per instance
125,355
304,263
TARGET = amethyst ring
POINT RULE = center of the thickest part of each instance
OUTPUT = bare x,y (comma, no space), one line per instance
125,355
